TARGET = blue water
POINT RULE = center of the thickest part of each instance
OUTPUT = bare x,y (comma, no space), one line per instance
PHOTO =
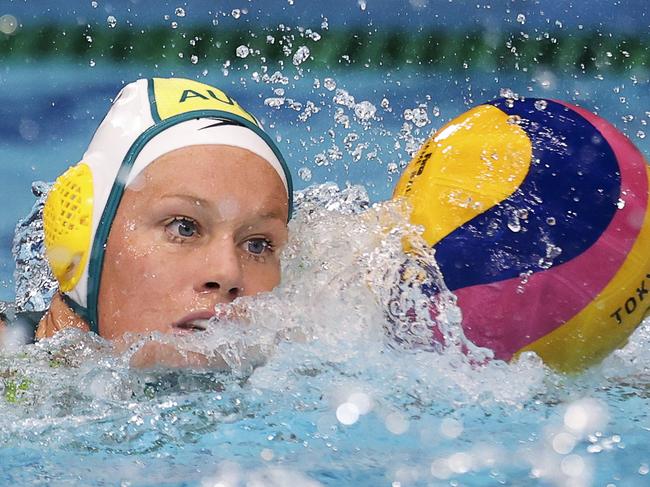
340,408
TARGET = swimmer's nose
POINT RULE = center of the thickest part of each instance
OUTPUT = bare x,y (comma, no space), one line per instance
221,274
232,292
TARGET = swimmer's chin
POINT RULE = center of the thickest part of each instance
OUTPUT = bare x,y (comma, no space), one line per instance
159,355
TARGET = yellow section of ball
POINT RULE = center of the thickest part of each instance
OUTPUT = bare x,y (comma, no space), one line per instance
471,164
67,223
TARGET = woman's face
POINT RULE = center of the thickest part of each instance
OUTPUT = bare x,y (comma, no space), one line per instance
200,226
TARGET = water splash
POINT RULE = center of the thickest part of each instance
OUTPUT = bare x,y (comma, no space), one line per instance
340,350
35,284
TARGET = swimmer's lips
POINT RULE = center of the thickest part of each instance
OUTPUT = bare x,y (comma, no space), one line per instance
193,322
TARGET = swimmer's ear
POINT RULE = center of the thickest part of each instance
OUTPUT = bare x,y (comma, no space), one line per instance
67,224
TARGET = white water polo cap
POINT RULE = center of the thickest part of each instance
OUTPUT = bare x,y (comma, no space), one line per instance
148,118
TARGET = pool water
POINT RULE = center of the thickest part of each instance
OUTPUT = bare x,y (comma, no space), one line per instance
318,394
323,389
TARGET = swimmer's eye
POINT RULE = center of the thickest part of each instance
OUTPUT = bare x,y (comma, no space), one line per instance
257,246
182,227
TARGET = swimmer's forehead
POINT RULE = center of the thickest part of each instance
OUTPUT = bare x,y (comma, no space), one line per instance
222,161
226,181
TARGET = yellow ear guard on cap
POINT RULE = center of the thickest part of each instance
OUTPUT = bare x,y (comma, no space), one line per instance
67,221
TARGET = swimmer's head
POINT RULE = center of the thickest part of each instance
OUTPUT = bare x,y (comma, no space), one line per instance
149,120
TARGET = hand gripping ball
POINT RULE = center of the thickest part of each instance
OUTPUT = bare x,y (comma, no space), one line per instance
539,215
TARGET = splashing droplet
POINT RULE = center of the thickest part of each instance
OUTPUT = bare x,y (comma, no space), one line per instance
541,105
364,111
301,55
243,51
304,173
111,21
329,84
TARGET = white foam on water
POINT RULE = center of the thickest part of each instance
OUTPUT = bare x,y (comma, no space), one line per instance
344,342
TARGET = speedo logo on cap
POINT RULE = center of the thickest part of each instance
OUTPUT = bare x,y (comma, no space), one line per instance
169,97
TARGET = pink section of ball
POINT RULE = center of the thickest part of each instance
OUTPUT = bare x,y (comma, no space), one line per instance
508,315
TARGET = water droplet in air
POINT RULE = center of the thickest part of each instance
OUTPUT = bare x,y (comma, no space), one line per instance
180,12
274,102
94,4
300,55
174,25
513,223
507,93
304,173
194,59
344,98
640,134
320,159
514,120
550,221
111,21
364,111
91,63
620,204
362,5
541,105
243,51
521,18
236,13
329,84
417,115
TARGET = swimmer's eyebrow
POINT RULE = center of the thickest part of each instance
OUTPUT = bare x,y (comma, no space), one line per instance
196,201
